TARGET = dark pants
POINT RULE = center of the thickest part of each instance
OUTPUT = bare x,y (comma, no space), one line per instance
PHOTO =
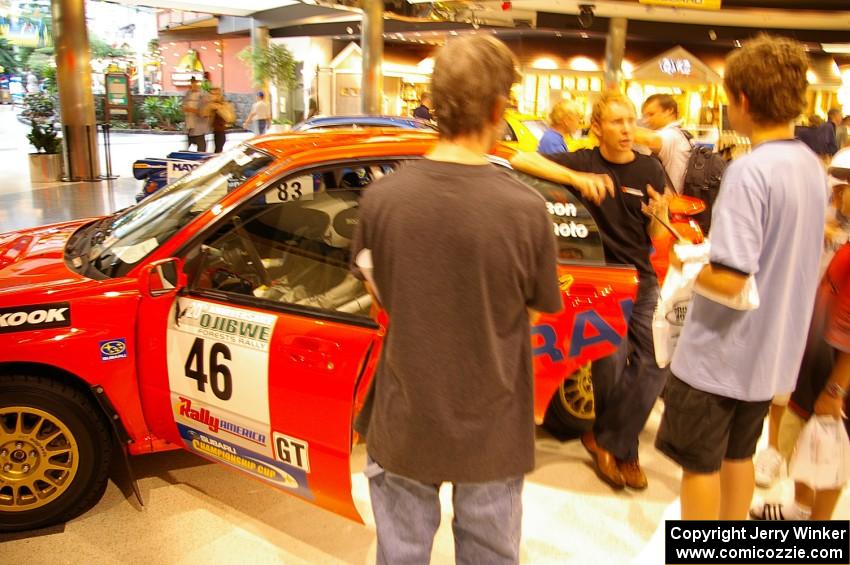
262,126
218,139
625,405
199,141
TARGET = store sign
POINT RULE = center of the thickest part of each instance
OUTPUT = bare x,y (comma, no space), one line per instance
697,4
117,89
674,66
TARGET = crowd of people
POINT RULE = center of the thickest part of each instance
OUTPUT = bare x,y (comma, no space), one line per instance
496,268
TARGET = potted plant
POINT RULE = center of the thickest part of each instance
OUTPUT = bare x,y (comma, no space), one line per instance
46,162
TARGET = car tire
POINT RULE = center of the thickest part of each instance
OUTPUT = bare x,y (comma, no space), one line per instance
55,450
572,409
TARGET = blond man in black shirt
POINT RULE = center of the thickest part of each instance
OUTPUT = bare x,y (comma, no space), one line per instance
627,226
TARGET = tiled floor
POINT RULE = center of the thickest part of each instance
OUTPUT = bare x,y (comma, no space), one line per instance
200,513
24,204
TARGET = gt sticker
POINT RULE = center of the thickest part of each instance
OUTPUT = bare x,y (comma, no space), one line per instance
292,451
290,478
38,317
113,349
218,361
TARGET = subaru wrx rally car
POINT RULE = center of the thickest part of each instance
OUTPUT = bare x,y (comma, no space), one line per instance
219,316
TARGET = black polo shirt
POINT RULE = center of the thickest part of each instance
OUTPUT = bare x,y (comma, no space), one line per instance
621,222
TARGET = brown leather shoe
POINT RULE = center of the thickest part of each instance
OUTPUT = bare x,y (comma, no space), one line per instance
588,440
633,475
607,468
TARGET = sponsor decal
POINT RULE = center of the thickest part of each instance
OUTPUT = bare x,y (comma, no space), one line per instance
291,478
589,328
201,415
562,228
291,451
177,169
113,349
231,325
38,317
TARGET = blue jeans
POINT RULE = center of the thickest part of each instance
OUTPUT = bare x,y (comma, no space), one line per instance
487,519
624,406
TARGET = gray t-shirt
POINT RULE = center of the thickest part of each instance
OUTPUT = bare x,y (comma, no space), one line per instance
767,221
196,124
459,253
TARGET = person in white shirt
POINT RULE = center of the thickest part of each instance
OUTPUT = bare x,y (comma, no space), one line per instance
664,137
260,113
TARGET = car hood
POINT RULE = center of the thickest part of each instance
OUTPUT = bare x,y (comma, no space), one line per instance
35,257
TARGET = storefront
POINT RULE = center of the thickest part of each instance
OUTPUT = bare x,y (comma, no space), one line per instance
548,80
695,86
824,86
403,84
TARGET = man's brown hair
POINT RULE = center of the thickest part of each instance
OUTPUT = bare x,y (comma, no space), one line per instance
608,98
771,73
470,74
664,101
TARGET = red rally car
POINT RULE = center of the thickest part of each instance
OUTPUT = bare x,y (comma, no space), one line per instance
220,316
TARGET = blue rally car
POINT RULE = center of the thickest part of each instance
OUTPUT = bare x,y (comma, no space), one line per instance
157,172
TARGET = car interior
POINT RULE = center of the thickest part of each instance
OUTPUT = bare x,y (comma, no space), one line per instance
294,247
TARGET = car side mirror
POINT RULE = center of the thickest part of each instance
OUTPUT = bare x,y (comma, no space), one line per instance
162,277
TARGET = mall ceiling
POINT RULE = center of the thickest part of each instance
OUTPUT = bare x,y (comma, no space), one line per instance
812,21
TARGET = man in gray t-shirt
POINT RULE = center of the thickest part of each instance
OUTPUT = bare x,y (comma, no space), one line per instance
767,223
198,125
461,251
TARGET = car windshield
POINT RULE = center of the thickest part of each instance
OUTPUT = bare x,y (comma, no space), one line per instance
536,127
112,246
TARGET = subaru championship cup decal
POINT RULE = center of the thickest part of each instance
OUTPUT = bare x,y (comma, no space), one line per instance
37,317
293,479
113,349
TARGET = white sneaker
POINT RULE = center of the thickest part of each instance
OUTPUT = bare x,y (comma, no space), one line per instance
768,465
778,511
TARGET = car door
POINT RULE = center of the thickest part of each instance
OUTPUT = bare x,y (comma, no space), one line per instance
264,349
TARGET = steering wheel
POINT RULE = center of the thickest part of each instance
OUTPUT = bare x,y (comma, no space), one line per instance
254,262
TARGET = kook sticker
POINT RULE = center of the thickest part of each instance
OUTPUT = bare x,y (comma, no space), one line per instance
39,317
113,349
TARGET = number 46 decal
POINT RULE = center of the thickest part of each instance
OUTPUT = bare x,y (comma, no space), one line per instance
220,379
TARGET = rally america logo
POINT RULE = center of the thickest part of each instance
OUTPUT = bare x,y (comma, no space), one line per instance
38,317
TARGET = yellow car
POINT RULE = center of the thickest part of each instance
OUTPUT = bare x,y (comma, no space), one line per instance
523,132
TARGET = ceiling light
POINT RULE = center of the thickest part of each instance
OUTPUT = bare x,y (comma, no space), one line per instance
835,47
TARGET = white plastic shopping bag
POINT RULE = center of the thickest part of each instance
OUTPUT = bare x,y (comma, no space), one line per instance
821,458
674,299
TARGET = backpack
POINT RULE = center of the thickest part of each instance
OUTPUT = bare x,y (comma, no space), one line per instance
702,179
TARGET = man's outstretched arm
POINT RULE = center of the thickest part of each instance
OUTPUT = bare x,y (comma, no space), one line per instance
592,186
